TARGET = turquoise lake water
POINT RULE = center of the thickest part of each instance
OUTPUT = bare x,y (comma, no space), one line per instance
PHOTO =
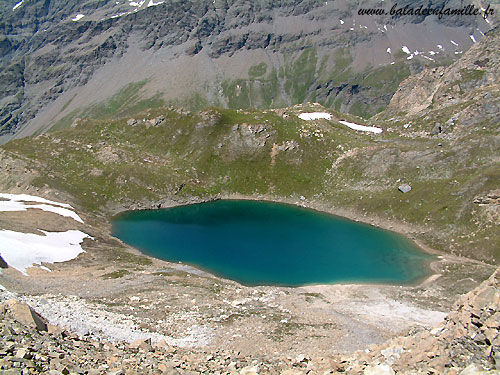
266,243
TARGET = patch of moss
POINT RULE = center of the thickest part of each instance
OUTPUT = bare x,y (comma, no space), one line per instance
116,274
257,70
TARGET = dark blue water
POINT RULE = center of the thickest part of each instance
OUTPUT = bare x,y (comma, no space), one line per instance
265,243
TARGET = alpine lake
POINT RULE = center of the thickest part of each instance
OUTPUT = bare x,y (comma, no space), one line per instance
267,243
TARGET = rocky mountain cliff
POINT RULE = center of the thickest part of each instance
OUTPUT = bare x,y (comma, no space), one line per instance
60,60
469,88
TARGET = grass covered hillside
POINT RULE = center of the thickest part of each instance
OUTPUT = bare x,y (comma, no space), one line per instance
167,153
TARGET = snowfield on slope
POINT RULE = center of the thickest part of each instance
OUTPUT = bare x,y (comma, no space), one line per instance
363,128
315,116
17,202
324,115
23,250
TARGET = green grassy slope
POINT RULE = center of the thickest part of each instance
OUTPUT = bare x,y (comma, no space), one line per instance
221,151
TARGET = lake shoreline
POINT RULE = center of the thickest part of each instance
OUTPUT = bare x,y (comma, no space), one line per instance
406,230
113,277
389,258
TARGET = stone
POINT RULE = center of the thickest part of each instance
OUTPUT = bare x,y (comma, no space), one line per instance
158,120
485,297
490,334
23,353
54,330
162,344
3,263
142,344
57,355
249,370
405,188
26,315
474,369
168,369
301,358
379,370
437,129
132,122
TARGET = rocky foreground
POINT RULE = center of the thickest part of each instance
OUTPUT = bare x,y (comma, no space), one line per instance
467,343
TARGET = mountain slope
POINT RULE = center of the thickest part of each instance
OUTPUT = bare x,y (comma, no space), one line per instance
61,59
167,156
447,151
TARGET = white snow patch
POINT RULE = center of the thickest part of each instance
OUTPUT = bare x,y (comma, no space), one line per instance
371,129
32,198
385,27
152,3
473,39
406,50
17,202
119,15
480,32
17,5
341,22
458,52
440,46
78,17
133,4
23,250
454,43
487,20
315,116
432,53
389,50
428,58
410,57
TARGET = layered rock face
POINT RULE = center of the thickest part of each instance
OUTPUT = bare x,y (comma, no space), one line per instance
59,59
468,88
467,344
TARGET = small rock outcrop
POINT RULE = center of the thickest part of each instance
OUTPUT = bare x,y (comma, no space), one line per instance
24,314
405,188
3,263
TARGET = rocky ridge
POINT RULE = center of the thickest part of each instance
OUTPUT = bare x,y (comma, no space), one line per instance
452,101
